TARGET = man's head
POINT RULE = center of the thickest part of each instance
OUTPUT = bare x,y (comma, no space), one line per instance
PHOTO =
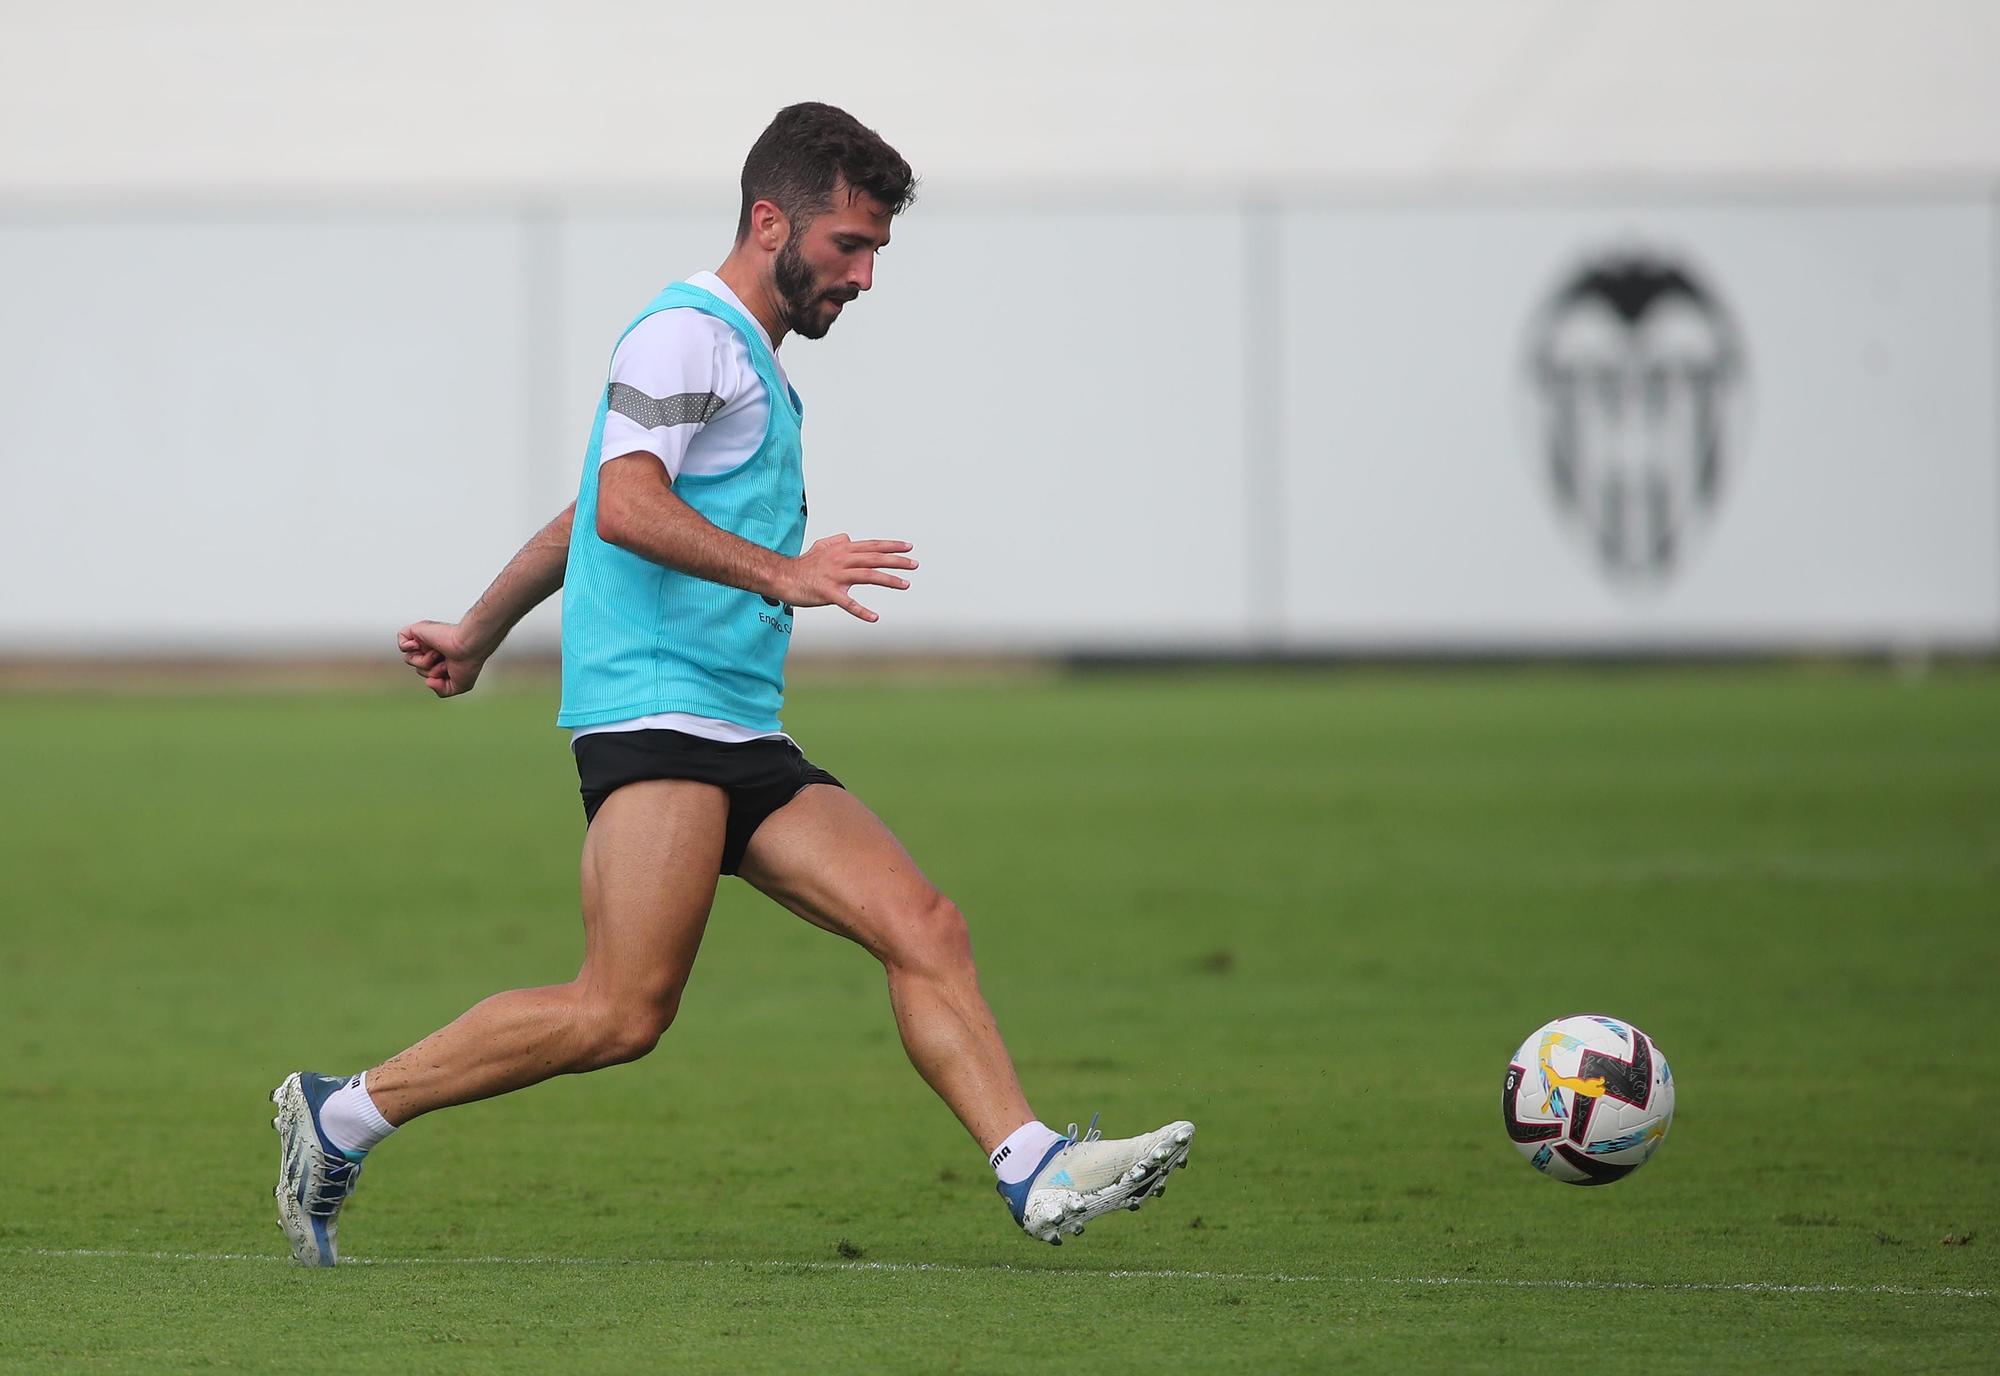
819,191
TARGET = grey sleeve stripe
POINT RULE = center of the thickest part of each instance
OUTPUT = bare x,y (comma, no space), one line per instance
685,408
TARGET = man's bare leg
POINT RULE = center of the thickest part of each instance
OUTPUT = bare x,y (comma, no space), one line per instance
826,857
829,859
650,862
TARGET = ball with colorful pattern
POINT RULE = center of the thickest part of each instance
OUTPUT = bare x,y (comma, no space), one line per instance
1588,1099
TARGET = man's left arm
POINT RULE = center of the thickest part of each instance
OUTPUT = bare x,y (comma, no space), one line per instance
450,655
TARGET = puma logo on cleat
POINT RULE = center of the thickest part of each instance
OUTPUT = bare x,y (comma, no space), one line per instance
999,1156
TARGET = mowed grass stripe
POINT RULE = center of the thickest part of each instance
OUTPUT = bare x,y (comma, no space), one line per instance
1747,1287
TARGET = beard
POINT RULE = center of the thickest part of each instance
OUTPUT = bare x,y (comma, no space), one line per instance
799,295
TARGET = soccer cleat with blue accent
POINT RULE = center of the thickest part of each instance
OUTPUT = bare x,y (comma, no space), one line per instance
1084,1175
314,1177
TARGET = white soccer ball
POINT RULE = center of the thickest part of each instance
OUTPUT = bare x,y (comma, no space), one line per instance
1588,1100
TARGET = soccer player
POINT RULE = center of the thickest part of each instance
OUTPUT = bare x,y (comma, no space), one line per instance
681,562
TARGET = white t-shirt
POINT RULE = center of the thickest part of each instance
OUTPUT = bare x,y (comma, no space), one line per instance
683,389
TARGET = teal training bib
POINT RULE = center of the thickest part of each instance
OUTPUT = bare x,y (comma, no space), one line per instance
639,638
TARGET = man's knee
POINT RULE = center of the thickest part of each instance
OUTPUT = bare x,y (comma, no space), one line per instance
624,1029
932,935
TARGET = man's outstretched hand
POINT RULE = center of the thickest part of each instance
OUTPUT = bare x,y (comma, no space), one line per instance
822,576
443,656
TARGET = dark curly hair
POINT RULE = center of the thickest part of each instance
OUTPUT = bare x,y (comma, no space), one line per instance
806,150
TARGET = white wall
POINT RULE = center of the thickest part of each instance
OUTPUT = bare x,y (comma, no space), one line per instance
1860,495
235,98
1034,398
253,433
1304,428
1207,331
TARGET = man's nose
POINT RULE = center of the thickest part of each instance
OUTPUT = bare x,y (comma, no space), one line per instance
861,275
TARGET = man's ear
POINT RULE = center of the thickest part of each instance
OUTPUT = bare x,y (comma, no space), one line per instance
768,226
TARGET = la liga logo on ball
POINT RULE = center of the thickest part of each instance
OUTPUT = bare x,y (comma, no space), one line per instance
1588,1099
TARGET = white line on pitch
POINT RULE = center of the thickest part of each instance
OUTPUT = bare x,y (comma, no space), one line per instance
1751,1287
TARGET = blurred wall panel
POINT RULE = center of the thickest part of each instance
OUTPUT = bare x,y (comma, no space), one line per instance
1048,403
254,433
1766,423
1484,425
635,97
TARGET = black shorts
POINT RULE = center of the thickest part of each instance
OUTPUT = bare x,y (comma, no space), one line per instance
759,776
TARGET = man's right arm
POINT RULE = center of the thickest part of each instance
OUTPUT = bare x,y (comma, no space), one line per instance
449,655
638,511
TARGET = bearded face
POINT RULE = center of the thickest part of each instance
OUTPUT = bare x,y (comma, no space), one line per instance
810,303
828,259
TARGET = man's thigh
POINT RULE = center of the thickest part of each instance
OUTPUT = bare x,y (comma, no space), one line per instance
829,859
650,863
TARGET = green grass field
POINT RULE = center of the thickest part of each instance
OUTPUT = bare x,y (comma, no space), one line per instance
1313,912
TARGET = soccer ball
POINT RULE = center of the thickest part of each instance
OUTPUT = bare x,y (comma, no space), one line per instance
1588,1100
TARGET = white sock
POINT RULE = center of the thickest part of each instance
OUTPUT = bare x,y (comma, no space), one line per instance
350,1119
1015,1159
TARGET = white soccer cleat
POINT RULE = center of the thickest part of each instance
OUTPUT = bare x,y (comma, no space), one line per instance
314,1178
1087,1175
